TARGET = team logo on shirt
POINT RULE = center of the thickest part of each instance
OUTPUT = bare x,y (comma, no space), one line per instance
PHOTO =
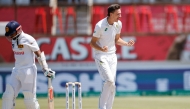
20,46
106,29
13,45
116,26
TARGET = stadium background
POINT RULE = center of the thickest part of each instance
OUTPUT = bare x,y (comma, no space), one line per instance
158,64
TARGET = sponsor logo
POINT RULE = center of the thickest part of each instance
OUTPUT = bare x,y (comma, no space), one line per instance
127,81
51,94
19,53
20,46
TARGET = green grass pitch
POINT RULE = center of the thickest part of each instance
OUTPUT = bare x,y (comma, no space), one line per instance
127,102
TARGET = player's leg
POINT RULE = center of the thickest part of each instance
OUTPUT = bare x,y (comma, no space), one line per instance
30,100
8,98
105,73
113,66
28,85
11,91
105,94
111,99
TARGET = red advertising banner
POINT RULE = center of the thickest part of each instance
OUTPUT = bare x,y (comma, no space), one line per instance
67,49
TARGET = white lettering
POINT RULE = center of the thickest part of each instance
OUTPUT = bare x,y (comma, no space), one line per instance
92,50
186,83
125,50
60,47
1,84
41,41
126,82
41,84
77,46
96,83
162,84
61,79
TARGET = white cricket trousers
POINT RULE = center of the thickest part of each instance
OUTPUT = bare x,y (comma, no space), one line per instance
24,79
107,65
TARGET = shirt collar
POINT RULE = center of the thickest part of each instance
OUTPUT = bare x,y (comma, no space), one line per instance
107,24
106,21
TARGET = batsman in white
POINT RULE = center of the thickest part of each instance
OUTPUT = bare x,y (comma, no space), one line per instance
24,73
106,35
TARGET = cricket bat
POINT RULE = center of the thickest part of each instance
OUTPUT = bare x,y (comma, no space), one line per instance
50,95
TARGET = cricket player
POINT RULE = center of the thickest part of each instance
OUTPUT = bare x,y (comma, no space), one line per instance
106,35
24,73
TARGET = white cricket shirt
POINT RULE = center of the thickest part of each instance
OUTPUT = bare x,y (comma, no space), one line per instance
24,51
106,34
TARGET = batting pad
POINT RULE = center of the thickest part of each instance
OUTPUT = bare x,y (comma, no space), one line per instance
8,98
30,100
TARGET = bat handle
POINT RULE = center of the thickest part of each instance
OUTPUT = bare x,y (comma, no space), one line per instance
49,82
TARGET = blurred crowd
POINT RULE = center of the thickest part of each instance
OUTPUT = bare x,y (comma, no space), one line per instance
75,17
29,2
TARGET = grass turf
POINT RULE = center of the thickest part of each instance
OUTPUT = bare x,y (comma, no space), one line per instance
142,102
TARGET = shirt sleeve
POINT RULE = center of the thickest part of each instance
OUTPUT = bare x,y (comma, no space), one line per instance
33,44
97,31
119,27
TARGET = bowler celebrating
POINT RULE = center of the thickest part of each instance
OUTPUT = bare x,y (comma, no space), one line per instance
106,35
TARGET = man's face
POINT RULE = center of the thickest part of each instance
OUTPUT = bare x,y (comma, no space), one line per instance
13,35
116,15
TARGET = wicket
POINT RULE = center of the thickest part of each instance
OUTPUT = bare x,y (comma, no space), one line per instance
73,94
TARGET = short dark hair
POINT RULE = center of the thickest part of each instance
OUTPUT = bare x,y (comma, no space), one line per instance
112,8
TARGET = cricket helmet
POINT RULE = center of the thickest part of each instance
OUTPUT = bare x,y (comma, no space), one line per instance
12,27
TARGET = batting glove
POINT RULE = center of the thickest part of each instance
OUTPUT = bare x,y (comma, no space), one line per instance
49,73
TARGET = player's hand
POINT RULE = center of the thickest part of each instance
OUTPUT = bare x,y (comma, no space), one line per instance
131,43
105,48
49,73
